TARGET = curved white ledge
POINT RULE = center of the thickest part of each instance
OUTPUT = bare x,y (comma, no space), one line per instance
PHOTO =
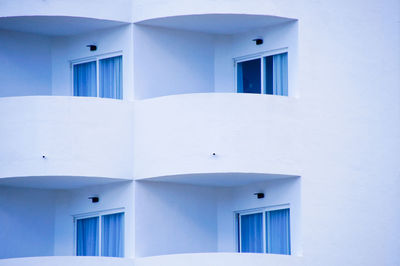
145,10
56,25
65,136
67,261
119,10
177,135
220,259
216,23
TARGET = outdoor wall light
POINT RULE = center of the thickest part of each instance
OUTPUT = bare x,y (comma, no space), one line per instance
92,47
94,199
259,195
213,154
258,41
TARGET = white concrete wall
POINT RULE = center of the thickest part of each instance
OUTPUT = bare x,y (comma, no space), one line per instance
79,136
25,67
284,192
171,62
70,48
228,47
348,112
347,146
248,133
26,222
175,218
75,202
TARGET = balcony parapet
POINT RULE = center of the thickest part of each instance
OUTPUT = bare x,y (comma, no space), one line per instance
217,133
220,259
65,136
67,261
119,10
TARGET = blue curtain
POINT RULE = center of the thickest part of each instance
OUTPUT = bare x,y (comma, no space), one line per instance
278,231
111,77
251,233
87,237
280,74
112,237
85,83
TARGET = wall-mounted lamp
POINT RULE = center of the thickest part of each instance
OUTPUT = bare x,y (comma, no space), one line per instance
94,199
92,47
258,41
259,195
213,154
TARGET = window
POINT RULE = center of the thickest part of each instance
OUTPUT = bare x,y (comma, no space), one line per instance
100,77
263,75
264,231
100,235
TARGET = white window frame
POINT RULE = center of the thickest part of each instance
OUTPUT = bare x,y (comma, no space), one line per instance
260,56
96,58
262,210
98,214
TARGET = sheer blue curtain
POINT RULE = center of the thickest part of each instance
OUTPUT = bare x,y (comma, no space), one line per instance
110,77
112,237
85,82
280,74
278,231
87,237
251,233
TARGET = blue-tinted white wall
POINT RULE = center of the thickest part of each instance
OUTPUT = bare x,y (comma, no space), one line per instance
25,64
26,222
171,62
175,218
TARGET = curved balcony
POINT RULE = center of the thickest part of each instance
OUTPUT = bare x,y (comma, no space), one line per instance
119,10
220,259
68,260
216,133
51,136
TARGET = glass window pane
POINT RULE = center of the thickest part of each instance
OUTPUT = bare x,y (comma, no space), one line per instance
87,239
268,77
249,76
278,231
85,82
251,234
112,236
110,80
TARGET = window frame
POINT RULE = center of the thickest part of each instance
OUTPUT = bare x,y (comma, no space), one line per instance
96,58
98,214
262,210
260,56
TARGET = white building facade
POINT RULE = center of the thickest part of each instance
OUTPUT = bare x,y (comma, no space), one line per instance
149,133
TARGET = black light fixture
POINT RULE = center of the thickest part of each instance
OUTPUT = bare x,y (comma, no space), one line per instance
259,195
92,47
94,199
258,41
